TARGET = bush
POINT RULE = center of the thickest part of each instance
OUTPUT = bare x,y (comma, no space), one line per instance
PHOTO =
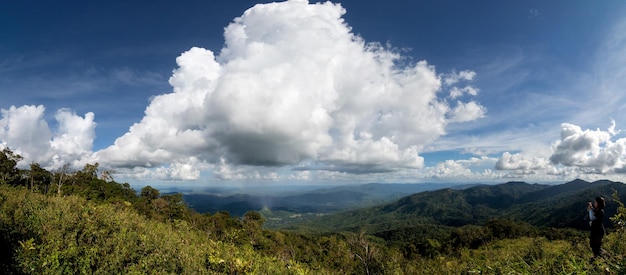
70,235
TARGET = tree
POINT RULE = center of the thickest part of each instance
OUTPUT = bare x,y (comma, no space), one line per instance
471,236
107,175
619,219
160,209
221,224
149,193
8,166
150,204
253,224
508,229
365,251
89,172
38,176
62,175
255,218
177,208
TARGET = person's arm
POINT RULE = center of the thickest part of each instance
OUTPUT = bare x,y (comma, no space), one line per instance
592,217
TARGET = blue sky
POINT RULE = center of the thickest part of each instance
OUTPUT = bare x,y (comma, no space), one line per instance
296,92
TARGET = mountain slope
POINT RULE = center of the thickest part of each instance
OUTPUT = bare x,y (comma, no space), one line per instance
318,201
565,205
540,205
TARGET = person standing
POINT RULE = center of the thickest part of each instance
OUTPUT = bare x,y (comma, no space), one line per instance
596,217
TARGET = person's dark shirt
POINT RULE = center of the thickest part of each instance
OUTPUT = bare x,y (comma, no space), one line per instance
597,226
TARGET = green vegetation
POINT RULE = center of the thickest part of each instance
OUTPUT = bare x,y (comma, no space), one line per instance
83,222
554,206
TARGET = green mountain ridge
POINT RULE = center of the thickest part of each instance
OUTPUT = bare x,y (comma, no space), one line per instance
560,205
321,200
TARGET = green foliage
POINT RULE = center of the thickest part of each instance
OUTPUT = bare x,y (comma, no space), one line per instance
9,173
619,219
471,236
558,206
363,248
38,178
161,207
508,229
70,235
149,193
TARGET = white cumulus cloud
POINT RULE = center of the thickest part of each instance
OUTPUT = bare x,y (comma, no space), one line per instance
292,84
594,150
467,112
510,161
577,153
25,131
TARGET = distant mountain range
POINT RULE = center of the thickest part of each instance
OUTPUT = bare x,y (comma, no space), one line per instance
561,205
378,207
313,200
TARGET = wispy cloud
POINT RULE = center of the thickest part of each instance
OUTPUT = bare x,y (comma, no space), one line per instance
534,13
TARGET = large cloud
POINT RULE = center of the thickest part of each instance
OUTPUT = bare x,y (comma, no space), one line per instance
577,153
26,132
593,150
294,84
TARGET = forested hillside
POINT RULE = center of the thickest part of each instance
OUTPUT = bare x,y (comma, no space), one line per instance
554,206
317,199
83,222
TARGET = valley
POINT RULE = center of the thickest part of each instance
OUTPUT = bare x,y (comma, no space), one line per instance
383,206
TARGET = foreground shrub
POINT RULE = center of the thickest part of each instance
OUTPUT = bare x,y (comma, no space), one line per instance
70,235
